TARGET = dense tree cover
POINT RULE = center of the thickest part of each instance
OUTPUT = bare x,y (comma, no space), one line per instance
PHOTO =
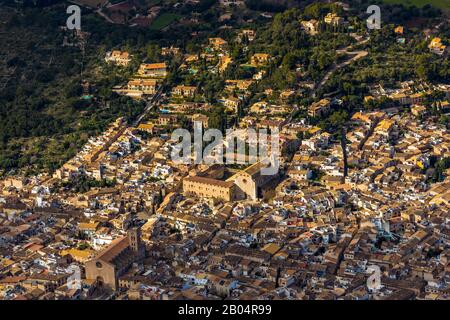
318,10
388,63
292,48
397,13
217,118
263,5
282,35
439,169
83,184
50,121
43,118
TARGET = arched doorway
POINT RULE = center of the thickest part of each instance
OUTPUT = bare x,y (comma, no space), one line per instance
100,282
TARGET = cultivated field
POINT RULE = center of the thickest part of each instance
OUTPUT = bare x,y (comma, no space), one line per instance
164,20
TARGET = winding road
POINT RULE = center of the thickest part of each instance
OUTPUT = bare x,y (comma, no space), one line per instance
355,55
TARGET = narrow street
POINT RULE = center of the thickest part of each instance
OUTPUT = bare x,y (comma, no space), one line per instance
154,101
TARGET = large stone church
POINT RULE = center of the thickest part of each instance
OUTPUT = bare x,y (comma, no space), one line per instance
245,184
112,262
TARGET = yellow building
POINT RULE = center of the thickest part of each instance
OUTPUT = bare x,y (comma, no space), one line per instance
385,127
78,255
190,58
399,30
250,34
238,84
436,46
418,110
158,70
148,127
120,58
224,62
142,85
259,59
166,51
250,181
185,91
232,104
88,227
247,183
209,188
311,27
218,43
320,108
201,118
333,19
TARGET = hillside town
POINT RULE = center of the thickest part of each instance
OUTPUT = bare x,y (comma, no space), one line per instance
138,225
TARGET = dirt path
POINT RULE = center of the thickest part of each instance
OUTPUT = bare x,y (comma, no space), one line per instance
356,55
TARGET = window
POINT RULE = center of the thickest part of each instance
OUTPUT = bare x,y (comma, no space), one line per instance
98,264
